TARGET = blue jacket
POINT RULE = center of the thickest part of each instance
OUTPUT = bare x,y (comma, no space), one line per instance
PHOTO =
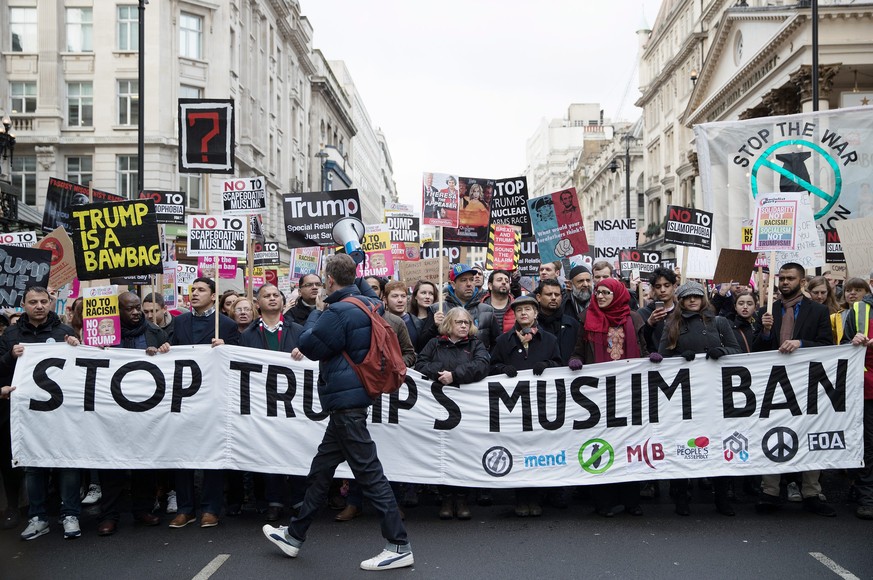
327,334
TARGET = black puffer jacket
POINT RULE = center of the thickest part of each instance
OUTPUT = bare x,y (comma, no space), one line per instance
508,351
744,331
699,336
467,359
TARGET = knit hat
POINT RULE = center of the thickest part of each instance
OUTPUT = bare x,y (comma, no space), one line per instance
580,269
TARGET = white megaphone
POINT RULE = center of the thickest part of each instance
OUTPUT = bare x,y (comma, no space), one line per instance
348,232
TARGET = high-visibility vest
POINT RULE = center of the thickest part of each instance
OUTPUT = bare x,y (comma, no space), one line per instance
862,319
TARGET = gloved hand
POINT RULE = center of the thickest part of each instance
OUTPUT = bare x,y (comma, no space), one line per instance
716,353
655,357
539,367
575,364
688,355
510,371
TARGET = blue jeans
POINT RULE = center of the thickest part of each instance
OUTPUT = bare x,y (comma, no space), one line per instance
36,479
211,495
347,439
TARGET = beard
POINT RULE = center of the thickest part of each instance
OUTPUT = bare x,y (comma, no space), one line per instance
582,295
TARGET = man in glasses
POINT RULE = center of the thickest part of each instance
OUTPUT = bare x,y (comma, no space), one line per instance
310,286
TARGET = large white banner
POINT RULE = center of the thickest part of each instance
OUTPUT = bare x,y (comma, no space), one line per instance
825,154
238,408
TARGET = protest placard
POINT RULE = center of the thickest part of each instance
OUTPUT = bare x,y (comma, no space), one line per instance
405,237
431,251
610,236
856,239
687,226
557,221
101,325
377,252
440,205
401,208
266,254
206,135
808,250
62,196
833,248
474,203
528,257
141,280
217,236
227,267
734,266
20,239
699,264
309,217
244,195
169,205
21,268
412,272
775,222
747,236
116,239
58,242
504,243
645,261
509,204
169,289
185,274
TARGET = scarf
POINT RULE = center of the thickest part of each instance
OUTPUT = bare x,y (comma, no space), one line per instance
599,321
525,337
129,335
787,329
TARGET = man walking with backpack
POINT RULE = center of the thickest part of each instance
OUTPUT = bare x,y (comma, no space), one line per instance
333,329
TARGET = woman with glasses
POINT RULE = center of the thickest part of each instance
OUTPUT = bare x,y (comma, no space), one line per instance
454,358
610,331
692,329
854,290
243,314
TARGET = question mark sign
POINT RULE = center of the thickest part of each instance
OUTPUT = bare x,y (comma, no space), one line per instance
213,116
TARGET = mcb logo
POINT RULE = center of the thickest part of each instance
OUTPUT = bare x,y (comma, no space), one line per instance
647,452
737,445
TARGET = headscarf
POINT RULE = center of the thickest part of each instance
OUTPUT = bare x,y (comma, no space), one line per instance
598,321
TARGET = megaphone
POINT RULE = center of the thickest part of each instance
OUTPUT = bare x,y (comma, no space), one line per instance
348,232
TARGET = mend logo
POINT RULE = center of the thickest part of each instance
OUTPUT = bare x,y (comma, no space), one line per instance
548,460
826,441
647,453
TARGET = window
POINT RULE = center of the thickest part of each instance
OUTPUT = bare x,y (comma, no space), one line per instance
22,24
128,28
190,183
190,35
125,169
189,92
79,30
80,104
128,102
24,177
80,169
23,96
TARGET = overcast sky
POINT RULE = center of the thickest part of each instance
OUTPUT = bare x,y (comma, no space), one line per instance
458,86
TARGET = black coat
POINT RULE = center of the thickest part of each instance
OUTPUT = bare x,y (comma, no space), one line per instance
812,326
565,328
185,332
252,337
298,313
508,351
23,332
699,335
743,331
467,359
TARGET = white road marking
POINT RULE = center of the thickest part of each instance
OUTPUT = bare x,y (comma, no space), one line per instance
212,567
833,566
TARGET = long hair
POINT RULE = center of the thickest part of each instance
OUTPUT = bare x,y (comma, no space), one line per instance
413,301
674,321
854,284
830,299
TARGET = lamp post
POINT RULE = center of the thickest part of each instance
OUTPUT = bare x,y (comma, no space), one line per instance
140,139
7,143
613,167
322,156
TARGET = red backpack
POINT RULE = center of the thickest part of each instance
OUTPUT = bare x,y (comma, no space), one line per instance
382,370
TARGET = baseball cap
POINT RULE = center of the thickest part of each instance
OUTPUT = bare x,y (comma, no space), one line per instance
460,270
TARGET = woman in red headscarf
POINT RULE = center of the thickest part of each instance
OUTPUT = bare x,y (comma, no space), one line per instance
610,331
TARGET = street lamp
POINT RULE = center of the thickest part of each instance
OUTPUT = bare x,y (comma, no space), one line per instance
323,155
7,143
140,141
613,167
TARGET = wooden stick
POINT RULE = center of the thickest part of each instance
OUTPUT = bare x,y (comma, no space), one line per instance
684,265
217,313
250,263
771,284
759,283
440,254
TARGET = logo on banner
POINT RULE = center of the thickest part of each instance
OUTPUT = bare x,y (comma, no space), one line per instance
826,440
780,444
596,456
497,461
647,453
736,446
696,449
546,460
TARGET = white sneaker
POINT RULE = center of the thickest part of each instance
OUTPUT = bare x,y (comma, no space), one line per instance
93,496
388,560
172,504
793,492
71,528
35,528
279,536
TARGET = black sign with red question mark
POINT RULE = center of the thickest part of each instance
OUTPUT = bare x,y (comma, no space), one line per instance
206,136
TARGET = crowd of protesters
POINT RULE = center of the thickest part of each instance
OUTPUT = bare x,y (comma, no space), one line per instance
474,327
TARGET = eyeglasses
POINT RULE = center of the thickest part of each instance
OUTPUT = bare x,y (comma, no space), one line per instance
241,310
463,322
312,285
604,292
